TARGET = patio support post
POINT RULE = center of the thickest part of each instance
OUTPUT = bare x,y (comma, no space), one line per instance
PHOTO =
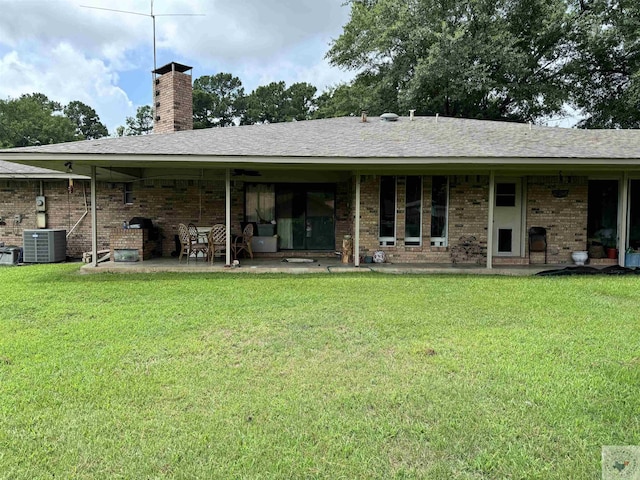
356,233
624,219
94,219
227,210
492,194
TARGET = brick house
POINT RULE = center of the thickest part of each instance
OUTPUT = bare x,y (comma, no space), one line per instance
20,188
421,189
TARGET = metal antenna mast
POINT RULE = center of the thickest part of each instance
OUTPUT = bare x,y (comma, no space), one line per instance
153,19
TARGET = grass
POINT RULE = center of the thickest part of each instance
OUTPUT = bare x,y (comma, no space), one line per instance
327,376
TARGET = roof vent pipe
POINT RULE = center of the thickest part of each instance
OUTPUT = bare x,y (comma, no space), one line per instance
437,118
364,116
411,114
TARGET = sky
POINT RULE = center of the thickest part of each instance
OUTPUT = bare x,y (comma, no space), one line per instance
102,58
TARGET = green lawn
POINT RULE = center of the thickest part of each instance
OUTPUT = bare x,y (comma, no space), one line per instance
321,376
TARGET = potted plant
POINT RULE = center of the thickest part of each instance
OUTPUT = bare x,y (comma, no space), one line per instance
608,238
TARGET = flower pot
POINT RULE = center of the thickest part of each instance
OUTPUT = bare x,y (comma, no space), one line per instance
612,253
579,257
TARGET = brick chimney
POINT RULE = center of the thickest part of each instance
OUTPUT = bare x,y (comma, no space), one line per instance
172,98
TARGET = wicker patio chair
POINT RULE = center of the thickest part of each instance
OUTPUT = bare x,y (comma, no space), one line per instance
198,245
242,243
189,244
217,239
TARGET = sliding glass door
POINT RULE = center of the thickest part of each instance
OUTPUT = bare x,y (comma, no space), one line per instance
306,216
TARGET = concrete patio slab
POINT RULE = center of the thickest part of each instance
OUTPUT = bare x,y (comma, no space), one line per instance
319,265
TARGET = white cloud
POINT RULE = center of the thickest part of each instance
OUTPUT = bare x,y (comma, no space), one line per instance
38,24
318,74
65,75
248,30
103,58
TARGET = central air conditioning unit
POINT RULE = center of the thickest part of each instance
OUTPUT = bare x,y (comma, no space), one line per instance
44,246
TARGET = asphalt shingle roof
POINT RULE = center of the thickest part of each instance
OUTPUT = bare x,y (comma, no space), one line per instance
425,137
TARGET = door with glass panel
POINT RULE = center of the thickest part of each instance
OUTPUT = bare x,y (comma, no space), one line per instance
507,217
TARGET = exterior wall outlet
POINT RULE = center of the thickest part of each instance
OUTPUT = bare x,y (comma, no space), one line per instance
17,218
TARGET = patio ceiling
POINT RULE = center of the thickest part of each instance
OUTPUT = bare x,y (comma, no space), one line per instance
127,168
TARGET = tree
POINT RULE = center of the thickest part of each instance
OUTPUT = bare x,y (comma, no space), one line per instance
367,93
471,58
33,119
605,68
218,101
267,104
301,101
275,103
86,121
141,124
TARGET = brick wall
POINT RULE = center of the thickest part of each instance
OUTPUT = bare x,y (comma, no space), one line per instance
131,239
564,218
173,103
202,202
64,209
166,202
369,214
468,210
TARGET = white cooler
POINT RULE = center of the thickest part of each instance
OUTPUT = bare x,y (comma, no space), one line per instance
9,255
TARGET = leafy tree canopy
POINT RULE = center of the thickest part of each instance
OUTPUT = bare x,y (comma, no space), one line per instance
605,70
275,103
301,99
471,58
218,101
86,120
141,124
33,119
494,59
267,104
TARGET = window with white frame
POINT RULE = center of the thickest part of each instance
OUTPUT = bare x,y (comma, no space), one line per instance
439,210
387,221
413,211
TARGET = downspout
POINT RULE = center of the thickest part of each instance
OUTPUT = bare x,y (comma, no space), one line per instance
356,236
227,209
94,219
492,190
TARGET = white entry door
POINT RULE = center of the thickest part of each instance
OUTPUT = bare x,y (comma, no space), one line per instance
507,217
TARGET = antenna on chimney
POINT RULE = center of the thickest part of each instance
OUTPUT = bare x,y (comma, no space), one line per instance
153,18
